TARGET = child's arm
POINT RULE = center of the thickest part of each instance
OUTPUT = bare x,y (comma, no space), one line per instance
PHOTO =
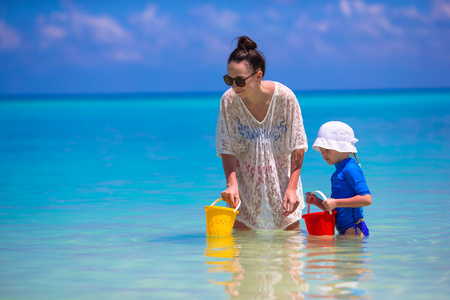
313,199
356,201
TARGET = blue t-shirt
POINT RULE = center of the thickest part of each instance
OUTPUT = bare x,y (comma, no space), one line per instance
348,181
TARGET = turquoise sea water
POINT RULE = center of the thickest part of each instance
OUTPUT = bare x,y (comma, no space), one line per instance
102,198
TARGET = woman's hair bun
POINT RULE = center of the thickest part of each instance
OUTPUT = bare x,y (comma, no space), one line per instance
246,51
245,43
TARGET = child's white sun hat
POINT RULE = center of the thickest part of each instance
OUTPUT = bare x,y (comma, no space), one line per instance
337,136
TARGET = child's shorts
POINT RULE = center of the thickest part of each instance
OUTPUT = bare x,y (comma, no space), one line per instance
361,225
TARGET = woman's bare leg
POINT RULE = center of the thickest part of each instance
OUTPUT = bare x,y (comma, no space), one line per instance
294,226
240,226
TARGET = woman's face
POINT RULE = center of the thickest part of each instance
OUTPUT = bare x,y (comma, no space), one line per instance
242,70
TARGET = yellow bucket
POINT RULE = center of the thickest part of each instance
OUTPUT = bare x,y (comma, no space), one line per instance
220,220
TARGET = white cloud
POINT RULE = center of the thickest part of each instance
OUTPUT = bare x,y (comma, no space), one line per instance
378,26
205,32
156,28
321,26
101,29
321,46
274,15
9,37
214,47
387,49
440,10
295,40
355,29
151,18
344,6
214,29
304,22
125,55
53,32
225,19
369,19
310,34
369,9
412,13
72,32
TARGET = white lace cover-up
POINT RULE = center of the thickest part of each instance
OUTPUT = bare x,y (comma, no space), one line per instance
263,155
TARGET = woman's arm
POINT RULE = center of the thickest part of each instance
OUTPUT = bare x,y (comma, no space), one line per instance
290,201
231,194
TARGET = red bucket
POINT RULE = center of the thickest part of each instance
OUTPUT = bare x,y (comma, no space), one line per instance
320,223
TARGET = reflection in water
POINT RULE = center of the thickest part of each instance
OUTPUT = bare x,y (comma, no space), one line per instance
264,264
222,247
288,265
336,265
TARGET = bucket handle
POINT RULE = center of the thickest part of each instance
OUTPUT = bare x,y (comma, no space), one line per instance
323,196
237,207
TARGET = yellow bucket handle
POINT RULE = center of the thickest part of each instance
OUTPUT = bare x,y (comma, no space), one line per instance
237,207
323,196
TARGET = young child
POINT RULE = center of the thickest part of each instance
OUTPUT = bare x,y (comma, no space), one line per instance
349,191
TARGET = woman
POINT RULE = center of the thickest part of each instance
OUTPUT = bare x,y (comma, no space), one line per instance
261,140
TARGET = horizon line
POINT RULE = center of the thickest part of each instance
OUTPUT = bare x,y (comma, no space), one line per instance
169,94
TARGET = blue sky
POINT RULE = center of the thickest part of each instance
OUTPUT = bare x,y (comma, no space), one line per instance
79,46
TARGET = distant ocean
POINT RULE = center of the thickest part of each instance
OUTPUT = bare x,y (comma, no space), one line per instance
102,198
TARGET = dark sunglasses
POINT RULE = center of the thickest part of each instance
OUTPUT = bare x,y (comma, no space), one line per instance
239,80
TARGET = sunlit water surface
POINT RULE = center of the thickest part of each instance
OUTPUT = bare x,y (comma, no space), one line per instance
103,199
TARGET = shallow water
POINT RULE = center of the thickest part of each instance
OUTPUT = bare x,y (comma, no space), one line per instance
103,198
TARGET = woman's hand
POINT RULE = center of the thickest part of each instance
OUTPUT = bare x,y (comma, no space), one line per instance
231,195
290,202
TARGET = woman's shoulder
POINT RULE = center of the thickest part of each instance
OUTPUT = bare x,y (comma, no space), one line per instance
285,93
229,96
282,89
279,85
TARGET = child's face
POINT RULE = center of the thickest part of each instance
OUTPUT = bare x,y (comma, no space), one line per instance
332,156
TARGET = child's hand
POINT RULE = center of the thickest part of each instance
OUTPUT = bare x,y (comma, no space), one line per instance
311,199
329,204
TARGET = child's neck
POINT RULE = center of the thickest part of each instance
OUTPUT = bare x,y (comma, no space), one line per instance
342,157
